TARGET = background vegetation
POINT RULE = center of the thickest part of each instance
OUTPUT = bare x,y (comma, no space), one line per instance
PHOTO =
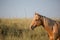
18,29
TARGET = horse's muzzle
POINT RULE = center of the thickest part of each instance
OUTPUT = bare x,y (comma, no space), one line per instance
32,27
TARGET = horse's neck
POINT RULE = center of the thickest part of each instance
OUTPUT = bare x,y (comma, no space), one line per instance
48,23
45,25
43,21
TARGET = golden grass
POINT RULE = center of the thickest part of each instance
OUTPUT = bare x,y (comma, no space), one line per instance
17,29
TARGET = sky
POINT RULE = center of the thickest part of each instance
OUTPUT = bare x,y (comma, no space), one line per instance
27,8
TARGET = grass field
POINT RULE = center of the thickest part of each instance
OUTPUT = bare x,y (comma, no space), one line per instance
18,29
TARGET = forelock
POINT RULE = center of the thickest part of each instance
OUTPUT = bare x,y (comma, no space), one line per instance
38,14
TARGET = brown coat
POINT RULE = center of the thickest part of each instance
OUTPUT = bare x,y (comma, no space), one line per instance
51,26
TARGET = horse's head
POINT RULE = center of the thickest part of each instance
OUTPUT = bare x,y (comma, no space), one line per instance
37,21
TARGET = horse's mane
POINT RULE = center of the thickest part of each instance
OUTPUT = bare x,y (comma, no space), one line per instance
44,16
38,14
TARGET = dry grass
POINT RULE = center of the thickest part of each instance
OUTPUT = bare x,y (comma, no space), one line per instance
17,29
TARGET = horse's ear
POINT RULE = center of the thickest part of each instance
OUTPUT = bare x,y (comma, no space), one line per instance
36,13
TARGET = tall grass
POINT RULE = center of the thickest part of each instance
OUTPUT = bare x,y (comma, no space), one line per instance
18,29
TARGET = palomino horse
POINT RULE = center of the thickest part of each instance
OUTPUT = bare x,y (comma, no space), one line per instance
51,26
